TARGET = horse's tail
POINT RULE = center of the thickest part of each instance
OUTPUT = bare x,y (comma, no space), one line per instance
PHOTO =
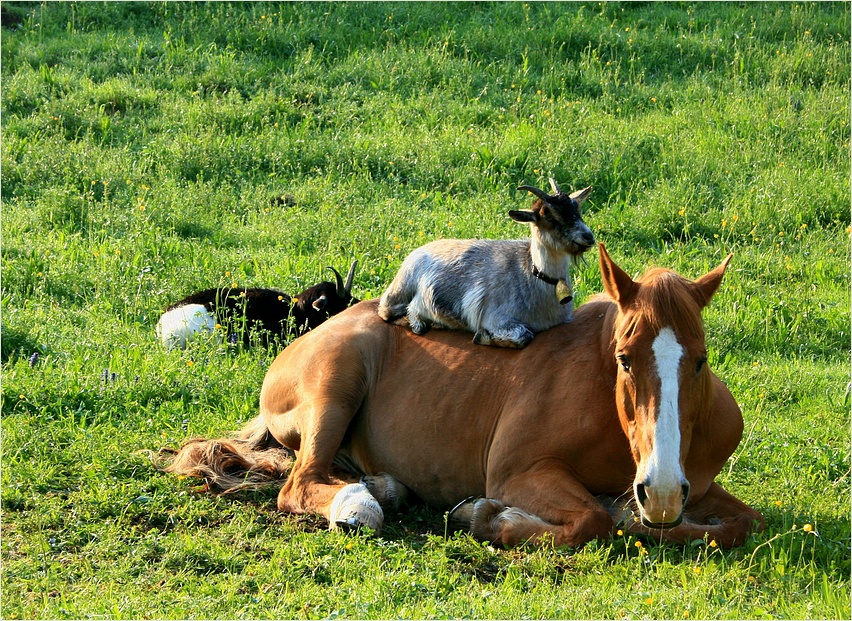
249,460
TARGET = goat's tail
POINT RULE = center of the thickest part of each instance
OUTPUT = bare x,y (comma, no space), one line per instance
250,460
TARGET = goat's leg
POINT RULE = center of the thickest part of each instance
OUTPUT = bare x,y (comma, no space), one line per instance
393,304
515,336
418,314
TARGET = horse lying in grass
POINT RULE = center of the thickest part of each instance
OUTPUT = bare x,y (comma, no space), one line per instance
619,403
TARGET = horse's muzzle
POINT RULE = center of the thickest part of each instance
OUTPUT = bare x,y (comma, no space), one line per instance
642,497
662,525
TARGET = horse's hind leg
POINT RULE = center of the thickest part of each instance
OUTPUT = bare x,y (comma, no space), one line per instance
310,487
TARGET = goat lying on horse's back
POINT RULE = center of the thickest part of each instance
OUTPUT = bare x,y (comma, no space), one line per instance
504,291
242,311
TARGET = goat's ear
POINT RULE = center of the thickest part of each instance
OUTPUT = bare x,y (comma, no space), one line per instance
581,195
320,303
618,285
523,215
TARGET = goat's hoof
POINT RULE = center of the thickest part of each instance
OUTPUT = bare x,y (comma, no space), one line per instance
482,338
354,508
512,344
419,328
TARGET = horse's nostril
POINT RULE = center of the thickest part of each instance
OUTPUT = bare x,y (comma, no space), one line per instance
641,496
685,488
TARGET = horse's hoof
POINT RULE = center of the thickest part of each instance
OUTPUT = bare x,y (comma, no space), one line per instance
387,490
354,508
461,515
475,516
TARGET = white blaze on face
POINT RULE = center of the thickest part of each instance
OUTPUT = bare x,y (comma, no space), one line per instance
664,469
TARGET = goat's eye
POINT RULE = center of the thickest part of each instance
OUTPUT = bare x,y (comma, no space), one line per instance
700,364
624,362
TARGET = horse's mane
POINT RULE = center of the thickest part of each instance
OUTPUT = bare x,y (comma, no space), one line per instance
666,299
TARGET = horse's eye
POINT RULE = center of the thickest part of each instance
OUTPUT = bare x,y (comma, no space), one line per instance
624,361
700,364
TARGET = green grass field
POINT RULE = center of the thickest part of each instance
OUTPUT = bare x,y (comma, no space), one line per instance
146,148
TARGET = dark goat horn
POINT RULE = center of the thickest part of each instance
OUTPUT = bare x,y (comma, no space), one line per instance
540,193
341,291
555,187
348,286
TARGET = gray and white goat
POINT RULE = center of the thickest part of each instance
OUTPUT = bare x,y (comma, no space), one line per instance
504,291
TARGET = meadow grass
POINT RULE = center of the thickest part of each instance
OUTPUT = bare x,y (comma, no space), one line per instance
146,148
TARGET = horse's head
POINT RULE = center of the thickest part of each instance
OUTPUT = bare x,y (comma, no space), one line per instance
663,384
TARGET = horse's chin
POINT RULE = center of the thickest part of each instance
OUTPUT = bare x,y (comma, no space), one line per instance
662,525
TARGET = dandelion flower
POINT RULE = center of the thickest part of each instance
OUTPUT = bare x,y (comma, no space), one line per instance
778,503
619,532
807,528
713,543
696,571
649,601
638,544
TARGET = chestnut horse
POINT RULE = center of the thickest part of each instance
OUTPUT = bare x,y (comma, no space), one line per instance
619,403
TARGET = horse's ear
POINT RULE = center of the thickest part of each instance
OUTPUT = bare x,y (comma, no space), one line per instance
618,285
706,286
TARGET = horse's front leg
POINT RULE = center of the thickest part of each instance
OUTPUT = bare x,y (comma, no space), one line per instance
717,516
536,504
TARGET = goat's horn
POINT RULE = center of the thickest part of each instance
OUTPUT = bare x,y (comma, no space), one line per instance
341,291
555,187
540,193
348,286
